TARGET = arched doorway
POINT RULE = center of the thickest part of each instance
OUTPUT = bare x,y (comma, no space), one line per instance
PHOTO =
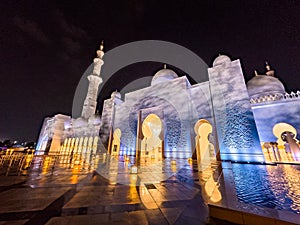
287,149
151,139
116,142
205,149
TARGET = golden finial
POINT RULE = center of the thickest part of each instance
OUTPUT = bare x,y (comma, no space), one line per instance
165,66
268,66
255,72
101,45
270,72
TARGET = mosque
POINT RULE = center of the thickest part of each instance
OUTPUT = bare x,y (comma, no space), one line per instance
223,118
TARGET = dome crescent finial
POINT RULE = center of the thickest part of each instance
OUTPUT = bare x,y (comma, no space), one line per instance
102,45
270,71
268,67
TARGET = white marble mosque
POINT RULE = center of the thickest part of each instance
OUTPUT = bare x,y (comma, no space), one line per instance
222,118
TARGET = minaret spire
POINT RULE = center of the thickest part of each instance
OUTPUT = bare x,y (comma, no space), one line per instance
90,102
98,62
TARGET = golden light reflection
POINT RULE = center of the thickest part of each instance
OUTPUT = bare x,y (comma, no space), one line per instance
133,179
74,179
28,160
46,164
173,166
146,198
133,195
126,158
216,195
210,187
133,169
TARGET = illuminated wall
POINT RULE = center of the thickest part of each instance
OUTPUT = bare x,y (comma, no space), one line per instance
174,100
271,114
268,114
107,117
237,134
201,108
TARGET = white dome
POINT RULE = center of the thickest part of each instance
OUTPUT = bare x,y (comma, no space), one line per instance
79,122
263,85
163,76
115,94
94,119
222,59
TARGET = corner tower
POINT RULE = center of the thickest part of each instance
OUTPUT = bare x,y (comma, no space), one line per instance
90,102
237,133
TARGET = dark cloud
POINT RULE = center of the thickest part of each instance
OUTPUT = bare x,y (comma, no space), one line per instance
70,32
71,36
68,28
32,29
72,46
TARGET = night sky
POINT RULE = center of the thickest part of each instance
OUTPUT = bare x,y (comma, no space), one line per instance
45,46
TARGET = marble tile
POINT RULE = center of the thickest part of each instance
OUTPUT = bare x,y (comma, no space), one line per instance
14,222
98,219
172,214
138,218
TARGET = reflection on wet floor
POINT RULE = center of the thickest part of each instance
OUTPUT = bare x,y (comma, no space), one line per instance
17,163
270,186
120,169
168,186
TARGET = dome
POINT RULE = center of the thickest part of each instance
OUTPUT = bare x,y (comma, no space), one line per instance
94,119
115,94
79,122
163,76
263,85
221,59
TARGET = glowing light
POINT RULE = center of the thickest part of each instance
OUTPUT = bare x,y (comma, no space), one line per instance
216,196
173,168
133,169
210,186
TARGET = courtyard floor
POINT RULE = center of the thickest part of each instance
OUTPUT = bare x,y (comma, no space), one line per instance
109,190
64,195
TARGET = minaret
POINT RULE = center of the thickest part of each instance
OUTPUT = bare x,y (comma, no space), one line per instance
90,102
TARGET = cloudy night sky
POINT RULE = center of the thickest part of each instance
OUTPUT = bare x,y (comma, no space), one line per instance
45,46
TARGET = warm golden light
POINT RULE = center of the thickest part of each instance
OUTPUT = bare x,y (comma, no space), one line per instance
133,169
212,190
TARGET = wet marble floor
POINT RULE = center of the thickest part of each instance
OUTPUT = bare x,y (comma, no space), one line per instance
161,193
65,197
